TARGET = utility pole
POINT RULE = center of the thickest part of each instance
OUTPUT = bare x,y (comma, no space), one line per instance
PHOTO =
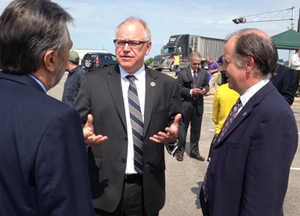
299,22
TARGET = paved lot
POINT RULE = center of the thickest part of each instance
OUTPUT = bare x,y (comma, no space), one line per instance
183,179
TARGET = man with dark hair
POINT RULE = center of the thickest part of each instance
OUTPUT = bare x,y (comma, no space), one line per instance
138,109
42,149
283,79
250,160
73,81
193,85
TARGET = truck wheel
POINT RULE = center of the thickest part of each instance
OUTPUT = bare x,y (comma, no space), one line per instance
204,65
171,67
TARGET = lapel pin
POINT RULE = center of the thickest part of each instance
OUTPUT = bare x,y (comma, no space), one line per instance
152,84
244,113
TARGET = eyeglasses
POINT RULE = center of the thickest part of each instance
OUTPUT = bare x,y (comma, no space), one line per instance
131,43
196,63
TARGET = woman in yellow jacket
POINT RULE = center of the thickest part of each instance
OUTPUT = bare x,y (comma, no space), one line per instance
176,63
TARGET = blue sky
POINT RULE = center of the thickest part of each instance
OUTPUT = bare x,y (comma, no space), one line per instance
95,21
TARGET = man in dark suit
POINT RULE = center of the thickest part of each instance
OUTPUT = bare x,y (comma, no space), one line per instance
251,158
284,81
127,171
42,152
193,85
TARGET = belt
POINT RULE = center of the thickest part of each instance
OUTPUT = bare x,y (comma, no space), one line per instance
132,176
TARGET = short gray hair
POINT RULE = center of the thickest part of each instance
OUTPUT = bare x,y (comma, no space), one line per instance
147,32
195,55
30,28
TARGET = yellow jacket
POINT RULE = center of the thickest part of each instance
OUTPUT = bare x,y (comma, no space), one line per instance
224,99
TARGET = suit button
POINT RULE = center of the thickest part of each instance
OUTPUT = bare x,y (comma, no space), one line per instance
123,160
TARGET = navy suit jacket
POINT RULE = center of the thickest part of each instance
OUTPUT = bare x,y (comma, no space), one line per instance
284,81
43,159
249,168
101,95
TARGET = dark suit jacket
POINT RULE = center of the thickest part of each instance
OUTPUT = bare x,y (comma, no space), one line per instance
250,165
101,95
284,81
185,81
42,153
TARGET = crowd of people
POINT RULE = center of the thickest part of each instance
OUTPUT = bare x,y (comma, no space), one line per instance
101,152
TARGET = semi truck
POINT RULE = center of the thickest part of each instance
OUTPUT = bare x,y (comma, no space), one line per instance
184,45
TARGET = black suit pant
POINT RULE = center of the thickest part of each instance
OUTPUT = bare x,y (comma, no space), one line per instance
131,203
191,116
297,78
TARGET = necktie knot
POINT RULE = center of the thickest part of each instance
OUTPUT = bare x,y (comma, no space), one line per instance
131,78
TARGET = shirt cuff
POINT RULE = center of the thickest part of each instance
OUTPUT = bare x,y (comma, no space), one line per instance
171,147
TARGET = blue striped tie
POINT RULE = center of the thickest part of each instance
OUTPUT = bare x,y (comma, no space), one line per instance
136,124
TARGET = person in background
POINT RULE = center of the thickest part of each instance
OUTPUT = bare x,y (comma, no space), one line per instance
44,169
193,85
224,99
250,160
295,65
176,63
213,70
73,81
224,78
138,109
284,81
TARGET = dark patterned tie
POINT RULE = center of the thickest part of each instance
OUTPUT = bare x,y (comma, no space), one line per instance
136,124
194,82
233,113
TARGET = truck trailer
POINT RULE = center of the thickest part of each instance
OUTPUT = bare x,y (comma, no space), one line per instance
184,45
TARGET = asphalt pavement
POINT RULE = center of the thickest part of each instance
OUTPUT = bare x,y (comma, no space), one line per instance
184,179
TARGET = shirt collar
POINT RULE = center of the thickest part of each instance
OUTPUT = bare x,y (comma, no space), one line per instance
139,74
245,97
192,69
38,81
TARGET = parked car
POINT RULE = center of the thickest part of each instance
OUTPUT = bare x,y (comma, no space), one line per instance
96,61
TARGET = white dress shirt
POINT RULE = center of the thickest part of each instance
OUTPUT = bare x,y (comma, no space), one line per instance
140,83
192,71
245,97
295,64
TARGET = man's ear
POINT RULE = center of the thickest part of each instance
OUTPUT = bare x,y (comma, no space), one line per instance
50,61
149,45
249,64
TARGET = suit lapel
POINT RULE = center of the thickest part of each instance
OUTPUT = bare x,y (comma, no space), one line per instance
246,110
115,88
199,77
189,74
151,92
240,117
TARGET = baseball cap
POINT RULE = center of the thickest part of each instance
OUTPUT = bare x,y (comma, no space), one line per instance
74,57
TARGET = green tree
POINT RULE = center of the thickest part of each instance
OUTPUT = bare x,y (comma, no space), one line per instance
286,63
149,61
